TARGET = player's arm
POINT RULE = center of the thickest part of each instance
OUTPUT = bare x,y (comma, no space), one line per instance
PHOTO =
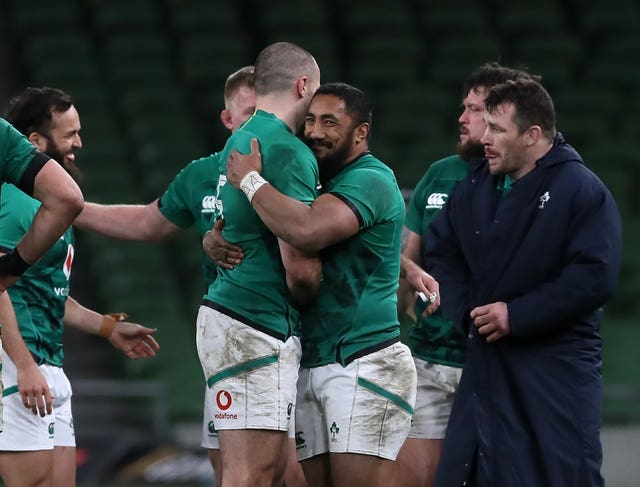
129,222
61,200
134,340
303,273
32,385
413,277
310,228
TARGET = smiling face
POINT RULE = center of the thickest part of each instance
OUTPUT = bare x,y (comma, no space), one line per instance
63,139
331,133
472,125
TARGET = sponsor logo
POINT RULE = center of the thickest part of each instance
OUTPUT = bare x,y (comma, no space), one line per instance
334,430
543,199
436,200
225,416
300,441
289,409
61,291
223,399
212,429
68,261
209,204
51,428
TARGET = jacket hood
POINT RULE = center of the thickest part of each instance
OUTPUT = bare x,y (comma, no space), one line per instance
560,152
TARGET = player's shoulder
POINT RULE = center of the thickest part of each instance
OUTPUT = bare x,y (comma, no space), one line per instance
448,163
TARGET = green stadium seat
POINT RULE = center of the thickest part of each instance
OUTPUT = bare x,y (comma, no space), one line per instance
111,16
381,63
32,16
190,17
522,20
599,18
557,58
444,20
453,59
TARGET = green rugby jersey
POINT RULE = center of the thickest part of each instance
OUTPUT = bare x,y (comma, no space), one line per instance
256,290
356,308
191,198
18,157
435,339
40,295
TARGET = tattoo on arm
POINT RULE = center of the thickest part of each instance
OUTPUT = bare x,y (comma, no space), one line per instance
405,239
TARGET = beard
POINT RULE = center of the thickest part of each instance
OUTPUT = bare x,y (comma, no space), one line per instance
332,162
55,153
472,149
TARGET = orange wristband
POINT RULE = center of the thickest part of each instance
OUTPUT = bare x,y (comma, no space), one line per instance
109,323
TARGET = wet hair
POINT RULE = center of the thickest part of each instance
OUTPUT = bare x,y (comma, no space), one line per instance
533,104
31,110
242,78
491,74
356,102
279,65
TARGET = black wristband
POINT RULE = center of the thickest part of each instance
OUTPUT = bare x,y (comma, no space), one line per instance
13,263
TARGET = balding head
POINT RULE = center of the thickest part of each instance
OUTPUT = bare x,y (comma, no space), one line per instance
280,65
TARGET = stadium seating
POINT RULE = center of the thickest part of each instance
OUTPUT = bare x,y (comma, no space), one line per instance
147,77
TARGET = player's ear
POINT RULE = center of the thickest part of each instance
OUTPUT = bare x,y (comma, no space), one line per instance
362,132
225,118
38,140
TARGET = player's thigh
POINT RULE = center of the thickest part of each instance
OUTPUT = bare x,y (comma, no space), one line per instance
251,450
64,466
356,470
293,475
27,468
417,463
317,470
216,463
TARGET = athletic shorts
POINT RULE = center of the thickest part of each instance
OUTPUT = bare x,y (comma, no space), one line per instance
25,431
363,408
437,385
210,434
252,375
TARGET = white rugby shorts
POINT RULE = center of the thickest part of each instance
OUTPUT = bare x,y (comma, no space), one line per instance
251,375
437,385
25,431
364,408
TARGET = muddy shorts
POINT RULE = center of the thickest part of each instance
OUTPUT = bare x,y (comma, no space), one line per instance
251,375
363,408
437,385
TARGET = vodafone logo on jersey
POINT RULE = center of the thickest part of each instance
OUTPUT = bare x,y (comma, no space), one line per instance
68,261
223,400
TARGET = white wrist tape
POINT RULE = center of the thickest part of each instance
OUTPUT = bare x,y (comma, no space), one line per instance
250,183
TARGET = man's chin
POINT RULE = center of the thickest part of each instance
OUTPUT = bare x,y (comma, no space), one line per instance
470,150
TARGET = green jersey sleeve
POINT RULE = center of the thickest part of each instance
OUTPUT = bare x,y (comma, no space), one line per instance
174,203
15,219
367,192
415,211
19,160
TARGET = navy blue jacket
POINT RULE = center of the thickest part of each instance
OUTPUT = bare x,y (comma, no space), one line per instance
528,408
